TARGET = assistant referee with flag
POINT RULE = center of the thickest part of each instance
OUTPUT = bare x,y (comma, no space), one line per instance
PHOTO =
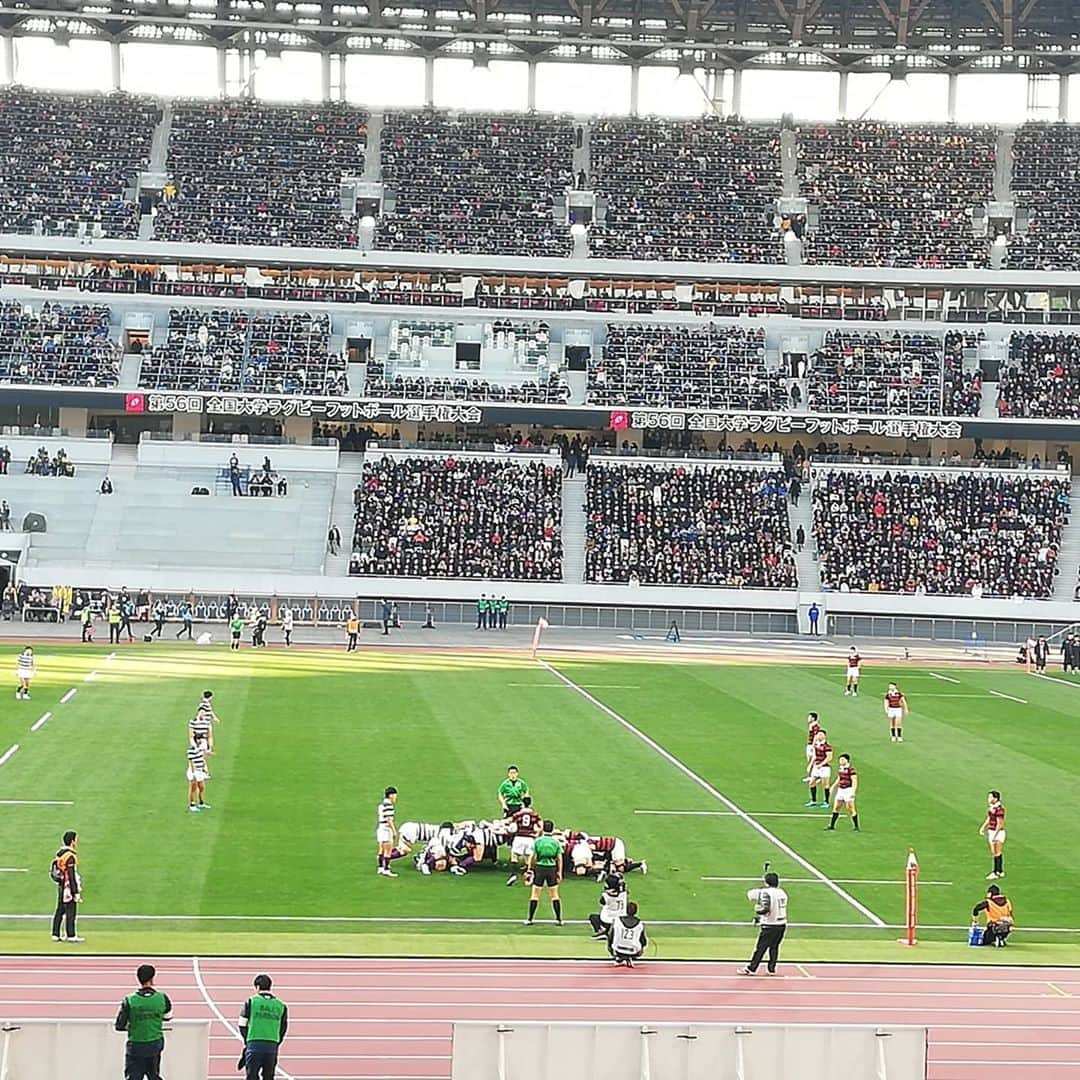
264,1019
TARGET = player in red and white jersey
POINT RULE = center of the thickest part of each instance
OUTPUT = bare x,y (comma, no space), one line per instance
813,726
994,830
820,770
847,784
525,825
896,709
599,854
851,687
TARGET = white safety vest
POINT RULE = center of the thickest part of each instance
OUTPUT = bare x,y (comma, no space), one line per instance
626,939
613,906
776,915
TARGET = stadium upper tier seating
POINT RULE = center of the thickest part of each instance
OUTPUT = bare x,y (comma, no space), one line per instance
1046,183
67,162
876,373
66,344
896,195
479,184
710,367
260,352
440,516
659,524
262,174
1041,377
961,389
686,189
939,533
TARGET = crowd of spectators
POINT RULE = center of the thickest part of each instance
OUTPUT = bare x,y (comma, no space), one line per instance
655,524
42,463
229,351
875,373
552,391
961,387
702,190
244,172
1041,377
983,534
66,344
68,163
896,194
690,367
475,183
441,516
1046,183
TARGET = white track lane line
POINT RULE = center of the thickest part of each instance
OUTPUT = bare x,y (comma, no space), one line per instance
718,795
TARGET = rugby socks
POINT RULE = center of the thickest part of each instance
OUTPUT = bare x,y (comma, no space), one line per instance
998,863
855,821
532,909
630,865
813,793
467,862
395,854
826,799
833,819
900,733
556,906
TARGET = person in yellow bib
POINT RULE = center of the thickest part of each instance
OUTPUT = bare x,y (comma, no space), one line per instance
264,1019
352,629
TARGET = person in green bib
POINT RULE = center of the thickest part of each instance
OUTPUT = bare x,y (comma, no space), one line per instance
142,1015
236,628
482,612
511,791
546,865
264,1019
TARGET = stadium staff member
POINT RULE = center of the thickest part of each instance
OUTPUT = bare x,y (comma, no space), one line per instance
770,906
999,916
65,872
141,1015
627,938
264,1019
352,628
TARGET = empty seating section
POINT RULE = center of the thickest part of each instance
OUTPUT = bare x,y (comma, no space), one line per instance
991,533
237,351
961,387
876,373
686,189
687,525
66,344
475,184
1041,377
896,195
249,173
443,516
710,367
1046,183
67,163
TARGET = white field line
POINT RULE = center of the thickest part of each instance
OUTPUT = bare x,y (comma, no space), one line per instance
90,676
40,722
718,795
111,656
815,881
212,1005
1009,697
14,870
584,686
731,813
1053,678
943,678
8,754
68,696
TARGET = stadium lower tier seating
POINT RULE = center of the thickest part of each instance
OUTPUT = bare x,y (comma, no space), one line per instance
984,533
440,516
656,524
1041,377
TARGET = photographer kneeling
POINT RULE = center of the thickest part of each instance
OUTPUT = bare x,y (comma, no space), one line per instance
626,938
999,916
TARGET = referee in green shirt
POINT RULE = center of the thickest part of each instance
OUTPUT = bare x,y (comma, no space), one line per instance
546,866
511,791
142,1015
264,1019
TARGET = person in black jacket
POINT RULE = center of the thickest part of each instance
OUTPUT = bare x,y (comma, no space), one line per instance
65,872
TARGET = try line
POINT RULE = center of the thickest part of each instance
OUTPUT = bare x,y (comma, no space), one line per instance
716,794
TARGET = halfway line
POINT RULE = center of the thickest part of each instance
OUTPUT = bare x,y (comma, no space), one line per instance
730,813
8,754
718,795
1009,697
68,696
943,678
40,722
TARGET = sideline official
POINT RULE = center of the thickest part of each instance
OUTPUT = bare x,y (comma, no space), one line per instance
142,1015
264,1019
770,906
65,873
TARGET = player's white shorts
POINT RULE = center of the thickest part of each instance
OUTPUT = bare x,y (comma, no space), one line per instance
894,714
821,772
844,795
581,854
196,776
410,832
618,852
522,847
384,834
809,751
996,836
852,672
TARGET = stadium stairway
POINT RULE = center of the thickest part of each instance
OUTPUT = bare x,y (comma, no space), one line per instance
68,505
806,560
1003,165
573,529
1068,563
373,153
343,511
988,403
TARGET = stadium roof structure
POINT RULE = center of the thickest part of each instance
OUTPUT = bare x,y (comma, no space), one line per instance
897,36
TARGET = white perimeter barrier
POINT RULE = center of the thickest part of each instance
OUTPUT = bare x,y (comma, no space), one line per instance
612,1051
94,1050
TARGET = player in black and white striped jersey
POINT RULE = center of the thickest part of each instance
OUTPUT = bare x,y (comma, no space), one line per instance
197,775
206,707
201,728
386,832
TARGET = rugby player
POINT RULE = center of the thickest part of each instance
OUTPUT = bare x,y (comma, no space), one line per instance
197,775
434,856
820,769
385,832
896,709
524,825
813,726
411,833
851,687
205,707
847,784
599,855
24,671
993,828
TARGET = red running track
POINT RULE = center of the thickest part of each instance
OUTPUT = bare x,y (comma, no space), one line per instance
390,1019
